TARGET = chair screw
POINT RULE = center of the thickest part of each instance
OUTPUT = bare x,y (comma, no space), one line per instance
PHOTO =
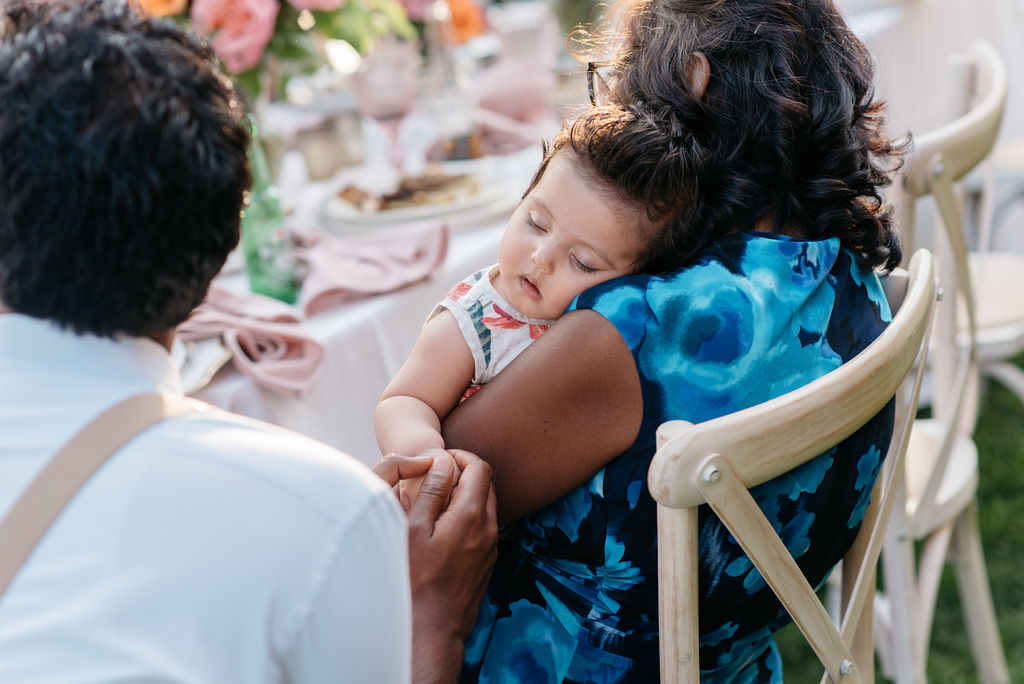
938,169
845,668
711,474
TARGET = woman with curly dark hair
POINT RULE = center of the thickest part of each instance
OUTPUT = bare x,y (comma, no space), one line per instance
772,283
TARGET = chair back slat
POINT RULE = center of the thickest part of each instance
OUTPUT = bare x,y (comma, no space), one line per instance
961,145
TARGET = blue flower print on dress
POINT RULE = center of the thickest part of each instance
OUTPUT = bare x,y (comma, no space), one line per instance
867,468
618,573
752,658
795,534
573,597
566,514
476,645
867,472
726,631
533,645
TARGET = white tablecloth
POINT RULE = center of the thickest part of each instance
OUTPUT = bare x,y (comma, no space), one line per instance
366,343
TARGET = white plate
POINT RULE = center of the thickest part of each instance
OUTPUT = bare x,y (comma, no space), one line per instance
501,181
338,210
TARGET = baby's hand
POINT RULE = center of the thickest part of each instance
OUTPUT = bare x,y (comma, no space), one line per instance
409,489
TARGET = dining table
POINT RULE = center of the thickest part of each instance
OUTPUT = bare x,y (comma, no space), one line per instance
367,339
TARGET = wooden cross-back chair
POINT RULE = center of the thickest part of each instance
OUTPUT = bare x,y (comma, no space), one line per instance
940,507
717,461
979,89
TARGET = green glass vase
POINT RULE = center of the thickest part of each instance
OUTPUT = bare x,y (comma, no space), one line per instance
269,257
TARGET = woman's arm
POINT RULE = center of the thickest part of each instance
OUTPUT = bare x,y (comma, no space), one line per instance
429,384
563,409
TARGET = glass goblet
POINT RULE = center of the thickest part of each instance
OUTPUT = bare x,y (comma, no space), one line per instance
386,85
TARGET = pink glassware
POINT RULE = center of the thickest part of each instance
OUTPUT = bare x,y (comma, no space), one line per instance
386,85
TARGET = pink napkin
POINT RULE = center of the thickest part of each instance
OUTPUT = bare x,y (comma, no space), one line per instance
513,104
375,261
264,336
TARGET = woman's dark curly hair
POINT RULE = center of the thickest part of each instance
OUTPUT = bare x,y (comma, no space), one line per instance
787,129
122,166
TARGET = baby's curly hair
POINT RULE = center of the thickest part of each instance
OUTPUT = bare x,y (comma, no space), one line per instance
787,127
122,166
631,156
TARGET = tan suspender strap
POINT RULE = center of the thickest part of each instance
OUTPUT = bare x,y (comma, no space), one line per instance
59,480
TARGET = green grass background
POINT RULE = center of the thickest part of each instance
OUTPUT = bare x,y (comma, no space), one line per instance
1000,439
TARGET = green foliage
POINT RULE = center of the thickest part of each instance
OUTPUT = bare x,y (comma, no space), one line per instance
297,51
361,22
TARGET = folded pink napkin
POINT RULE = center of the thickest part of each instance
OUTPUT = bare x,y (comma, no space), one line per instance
372,262
264,337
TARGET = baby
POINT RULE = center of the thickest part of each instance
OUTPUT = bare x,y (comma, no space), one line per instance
600,205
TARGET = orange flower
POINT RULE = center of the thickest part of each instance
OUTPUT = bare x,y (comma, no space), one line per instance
467,18
163,8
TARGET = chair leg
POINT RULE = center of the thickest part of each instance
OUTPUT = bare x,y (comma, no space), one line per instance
976,599
930,564
862,646
677,595
901,596
834,594
863,641
883,636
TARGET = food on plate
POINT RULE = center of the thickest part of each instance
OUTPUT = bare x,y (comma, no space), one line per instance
433,187
363,200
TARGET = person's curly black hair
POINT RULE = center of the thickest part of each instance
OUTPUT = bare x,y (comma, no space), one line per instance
786,131
122,166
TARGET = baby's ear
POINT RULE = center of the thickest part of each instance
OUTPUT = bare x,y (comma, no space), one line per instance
698,71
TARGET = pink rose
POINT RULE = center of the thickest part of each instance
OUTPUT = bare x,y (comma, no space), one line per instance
316,4
240,29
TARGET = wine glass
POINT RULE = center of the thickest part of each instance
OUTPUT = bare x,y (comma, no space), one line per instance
385,86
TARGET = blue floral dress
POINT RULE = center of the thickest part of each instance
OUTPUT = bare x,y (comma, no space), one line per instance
573,597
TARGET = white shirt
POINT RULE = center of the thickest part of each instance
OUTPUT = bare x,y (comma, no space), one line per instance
211,548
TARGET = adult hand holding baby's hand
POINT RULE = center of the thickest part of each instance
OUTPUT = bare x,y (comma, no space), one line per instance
453,535
406,474
393,468
409,489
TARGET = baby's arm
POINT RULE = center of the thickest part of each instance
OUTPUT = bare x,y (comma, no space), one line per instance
426,389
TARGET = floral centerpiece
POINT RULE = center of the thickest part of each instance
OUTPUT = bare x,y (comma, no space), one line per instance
467,17
263,43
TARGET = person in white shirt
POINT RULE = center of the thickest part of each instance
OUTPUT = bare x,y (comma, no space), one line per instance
210,548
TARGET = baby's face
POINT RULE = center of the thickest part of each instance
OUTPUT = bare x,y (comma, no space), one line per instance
563,238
